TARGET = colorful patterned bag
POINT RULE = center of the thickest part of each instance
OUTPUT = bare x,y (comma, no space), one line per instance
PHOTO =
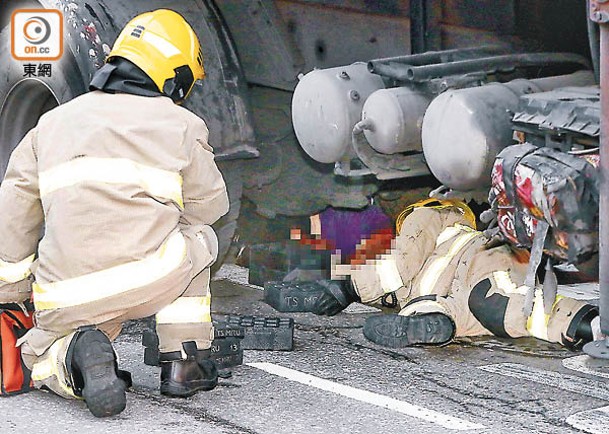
531,184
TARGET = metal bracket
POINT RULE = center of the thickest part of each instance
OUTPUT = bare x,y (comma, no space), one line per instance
384,166
598,349
240,152
599,11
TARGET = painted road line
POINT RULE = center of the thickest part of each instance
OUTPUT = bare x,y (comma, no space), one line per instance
571,383
591,421
580,364
369,397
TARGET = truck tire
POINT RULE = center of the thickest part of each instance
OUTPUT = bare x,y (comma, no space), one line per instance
90,29
226,227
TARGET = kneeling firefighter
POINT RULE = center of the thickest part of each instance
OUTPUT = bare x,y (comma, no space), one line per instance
124,183
448,281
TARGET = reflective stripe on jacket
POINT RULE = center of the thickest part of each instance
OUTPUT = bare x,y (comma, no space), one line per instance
452,245
114,175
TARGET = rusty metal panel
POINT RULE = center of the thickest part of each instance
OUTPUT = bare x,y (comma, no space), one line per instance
386,7
462,37
266,49
329,36
553,25
491,15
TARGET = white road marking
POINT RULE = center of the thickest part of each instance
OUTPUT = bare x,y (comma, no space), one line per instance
369,397
579,363
571,383
591,421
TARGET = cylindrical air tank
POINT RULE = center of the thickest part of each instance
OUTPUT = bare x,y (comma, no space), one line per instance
393,119
327,103
465,129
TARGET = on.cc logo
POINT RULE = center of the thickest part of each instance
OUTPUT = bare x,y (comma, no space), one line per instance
37,34
37,30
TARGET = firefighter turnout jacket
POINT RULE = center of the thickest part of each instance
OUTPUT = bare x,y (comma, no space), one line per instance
109,201
439,263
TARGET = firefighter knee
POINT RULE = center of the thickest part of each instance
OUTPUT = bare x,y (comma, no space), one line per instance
50,370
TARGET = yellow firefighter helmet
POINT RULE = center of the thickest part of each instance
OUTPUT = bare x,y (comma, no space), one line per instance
163,45
436,204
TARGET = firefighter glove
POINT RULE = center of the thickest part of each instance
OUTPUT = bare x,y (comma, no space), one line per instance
337,295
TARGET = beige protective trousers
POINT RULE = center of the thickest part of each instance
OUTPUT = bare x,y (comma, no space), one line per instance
126,197
181,301
440,264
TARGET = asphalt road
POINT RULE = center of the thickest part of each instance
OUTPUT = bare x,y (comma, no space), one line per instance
335,381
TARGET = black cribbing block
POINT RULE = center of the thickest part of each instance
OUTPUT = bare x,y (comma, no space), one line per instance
265,333
293,296
225,330
225,349
151,356
150,341
226,352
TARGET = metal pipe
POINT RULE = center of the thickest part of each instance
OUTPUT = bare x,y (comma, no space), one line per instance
593,41
425,18
604,182
418,26
488,65
430,57
599,13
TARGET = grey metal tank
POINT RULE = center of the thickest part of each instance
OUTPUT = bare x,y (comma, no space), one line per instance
464,130
326,105
393,119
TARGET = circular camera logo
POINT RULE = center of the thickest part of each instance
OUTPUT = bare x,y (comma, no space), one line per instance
37,34
37,30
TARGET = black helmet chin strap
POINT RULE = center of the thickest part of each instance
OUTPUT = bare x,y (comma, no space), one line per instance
177,88
122,76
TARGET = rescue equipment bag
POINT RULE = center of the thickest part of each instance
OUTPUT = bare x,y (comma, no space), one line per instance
15,377
532,185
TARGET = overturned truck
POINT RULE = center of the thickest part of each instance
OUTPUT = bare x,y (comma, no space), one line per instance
313,103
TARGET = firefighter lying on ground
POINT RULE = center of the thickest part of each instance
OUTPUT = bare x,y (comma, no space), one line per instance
449,282
125,186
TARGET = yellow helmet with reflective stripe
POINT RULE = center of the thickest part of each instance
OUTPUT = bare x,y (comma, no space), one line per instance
163,45
436,204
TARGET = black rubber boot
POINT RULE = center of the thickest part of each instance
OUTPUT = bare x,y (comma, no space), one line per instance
94,374
184,378
397,331
579,331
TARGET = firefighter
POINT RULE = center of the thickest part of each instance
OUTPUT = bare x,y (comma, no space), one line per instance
448,281
123,187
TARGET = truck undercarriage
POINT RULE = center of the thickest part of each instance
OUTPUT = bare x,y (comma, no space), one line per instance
317,103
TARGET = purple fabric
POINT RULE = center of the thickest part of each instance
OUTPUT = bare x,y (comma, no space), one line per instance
346,228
